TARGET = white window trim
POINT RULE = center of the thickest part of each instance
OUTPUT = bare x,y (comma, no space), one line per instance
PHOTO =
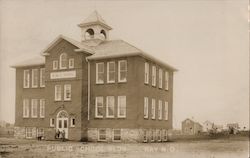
60,98
60,62
113,138
166,80
145,136
71,122
107,113
42,73
51,124
65,88
159,135
108,79
26,132
166,111
55,64
160,110
145,107
24,78
97,73
99,135
96,108
42,105
24,108
152,138
118,107
146,73
33,78
119,71
165,136
153,111
38,133
153,75
160,78
33,105
71,60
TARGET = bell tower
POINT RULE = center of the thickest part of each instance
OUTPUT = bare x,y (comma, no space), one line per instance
94,30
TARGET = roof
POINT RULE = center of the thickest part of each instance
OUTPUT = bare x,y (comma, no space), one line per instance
120,48
36,61
94,18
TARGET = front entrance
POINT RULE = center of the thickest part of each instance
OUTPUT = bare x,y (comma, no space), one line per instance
62,122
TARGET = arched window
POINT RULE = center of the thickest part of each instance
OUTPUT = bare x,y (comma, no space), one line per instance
62,114
63,61
89,34
103,34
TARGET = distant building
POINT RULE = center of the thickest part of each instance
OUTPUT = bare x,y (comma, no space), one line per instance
191,127
207,126
233,128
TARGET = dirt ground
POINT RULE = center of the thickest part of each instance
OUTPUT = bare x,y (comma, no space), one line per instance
10,147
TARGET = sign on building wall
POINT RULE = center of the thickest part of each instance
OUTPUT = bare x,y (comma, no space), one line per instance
63,74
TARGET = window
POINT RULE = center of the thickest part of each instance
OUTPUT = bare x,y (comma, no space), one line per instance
159,135
67,92
55,64
122,106
63,61
58,92
153,109
122,68
52,122
152,135
26,108
99,107
28,132
40,132
102,134
111,72
145,136
153,76
166,110
166,80
34,103
73,122
42,77
71,63
99,73
42,108
26,78
117,135
110,106
160,78
34,78
146,77
165,135
160,110
145,107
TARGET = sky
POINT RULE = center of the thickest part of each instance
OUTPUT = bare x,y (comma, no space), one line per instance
207,41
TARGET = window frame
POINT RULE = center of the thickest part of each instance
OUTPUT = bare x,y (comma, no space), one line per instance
26,77
119,71
33,105
153,109
97,73
166,80
96,107
108,72
67,87
160,78
71,63
116,135
52,122
146,73
166,108
61,60
102,134
119,106
145,108
33,71
28,132
55,64
26,106
42,106
159,135
72,123
59,97
107,106
42,77
39,133
159,109
154,76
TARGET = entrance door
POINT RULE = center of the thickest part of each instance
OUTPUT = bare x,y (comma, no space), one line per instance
62,122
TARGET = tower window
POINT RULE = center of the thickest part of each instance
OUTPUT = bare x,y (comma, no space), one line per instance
89,34
103,34
63,61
